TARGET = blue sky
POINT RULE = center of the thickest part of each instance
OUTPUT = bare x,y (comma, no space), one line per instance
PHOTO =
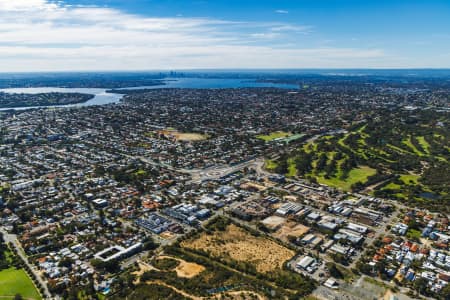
46,35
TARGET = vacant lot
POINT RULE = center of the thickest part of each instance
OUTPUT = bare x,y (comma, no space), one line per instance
190,137
273,222
237,244
182,136
14,282
291,229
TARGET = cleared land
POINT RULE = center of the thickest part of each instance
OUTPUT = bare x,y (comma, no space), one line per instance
239,245
14,282
185,269
273,222
227,259
183,136
291,229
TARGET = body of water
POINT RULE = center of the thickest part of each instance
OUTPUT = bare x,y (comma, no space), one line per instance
101,97
214,83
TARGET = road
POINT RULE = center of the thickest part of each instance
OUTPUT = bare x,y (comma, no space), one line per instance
211,173
214,172
378,231
217,172
12,238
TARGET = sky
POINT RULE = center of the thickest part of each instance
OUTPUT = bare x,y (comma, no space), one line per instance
111,35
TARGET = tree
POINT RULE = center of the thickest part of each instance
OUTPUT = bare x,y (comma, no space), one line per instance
149,244
420,284
339,258
334,271
66,262
321,162
111,266
364,268
18,297
380,267
303,162
445,293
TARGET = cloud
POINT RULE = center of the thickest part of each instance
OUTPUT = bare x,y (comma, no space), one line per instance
42,35
282,11
26,5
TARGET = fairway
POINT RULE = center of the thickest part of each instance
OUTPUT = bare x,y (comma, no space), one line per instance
355,175
14,282
410,145
424,144
292,170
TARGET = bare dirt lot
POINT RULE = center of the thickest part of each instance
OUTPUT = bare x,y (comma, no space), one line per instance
167,235
239,245
185,137
273,222
291,229
186,269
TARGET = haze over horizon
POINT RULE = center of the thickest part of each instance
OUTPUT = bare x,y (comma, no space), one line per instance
113,35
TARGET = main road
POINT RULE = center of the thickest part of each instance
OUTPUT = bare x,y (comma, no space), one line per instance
211,173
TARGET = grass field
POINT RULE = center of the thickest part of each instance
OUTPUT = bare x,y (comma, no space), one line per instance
273,136
14,282
355,175
409,178
413,234
140,172
424,144
292,170
408,143
270,164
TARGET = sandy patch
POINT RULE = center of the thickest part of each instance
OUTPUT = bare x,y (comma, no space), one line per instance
186,269
167,235
184,137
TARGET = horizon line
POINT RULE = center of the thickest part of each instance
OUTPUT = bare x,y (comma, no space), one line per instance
230,70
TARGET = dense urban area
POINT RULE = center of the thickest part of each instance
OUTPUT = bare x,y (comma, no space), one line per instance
339,189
